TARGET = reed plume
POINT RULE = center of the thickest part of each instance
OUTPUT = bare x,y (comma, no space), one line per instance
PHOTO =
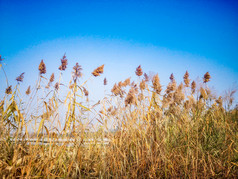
156,84
193,87
20,78
28,91
64,63
126,82
9,90
105,81
179,95
42,67
98,71
77,71
142,85
130,98
146,77
52,78
206,77
203,94
171,77
139,71
57,86
171,86
186,79
116,90
85,91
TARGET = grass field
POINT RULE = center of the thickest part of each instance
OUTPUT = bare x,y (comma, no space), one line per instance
182,131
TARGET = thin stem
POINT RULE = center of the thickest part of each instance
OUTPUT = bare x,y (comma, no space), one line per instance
5,76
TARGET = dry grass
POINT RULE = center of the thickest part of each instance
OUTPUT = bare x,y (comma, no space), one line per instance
183,131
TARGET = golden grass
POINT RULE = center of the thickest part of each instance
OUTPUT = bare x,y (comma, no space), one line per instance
181,132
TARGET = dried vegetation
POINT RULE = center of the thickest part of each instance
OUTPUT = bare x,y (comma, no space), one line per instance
183,131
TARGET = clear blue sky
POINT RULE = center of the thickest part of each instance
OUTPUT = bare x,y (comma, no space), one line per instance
163,36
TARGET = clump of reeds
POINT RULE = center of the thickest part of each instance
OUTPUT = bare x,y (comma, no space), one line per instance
182,131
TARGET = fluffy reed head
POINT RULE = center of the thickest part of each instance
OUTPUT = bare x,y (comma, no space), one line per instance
203,93
142,85
193,87
64,63
20,78
130,98
179,95
57,86
77,71
116,90
98,71
105,81
28,91
52,78
171,86
206,77
42,67
9,90
85,91
171,77
139,71
126,82
186,79
146,77
156,84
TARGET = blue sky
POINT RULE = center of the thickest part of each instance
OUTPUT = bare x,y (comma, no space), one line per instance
163,36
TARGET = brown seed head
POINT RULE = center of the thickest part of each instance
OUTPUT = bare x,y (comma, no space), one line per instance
77,71
130,98
186,79
20,78
42,67
85,91
64,63
156,84
206,77
52,77
139,71
193,87
171,77
142,85
28,91
9,90
179,95
171,86
120,84
98,71
203,93
105,81
57,86
126,82
146,77
116,90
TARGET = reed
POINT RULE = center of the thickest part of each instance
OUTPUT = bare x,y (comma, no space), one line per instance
182,131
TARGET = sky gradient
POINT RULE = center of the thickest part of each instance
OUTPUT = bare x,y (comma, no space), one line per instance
162,36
